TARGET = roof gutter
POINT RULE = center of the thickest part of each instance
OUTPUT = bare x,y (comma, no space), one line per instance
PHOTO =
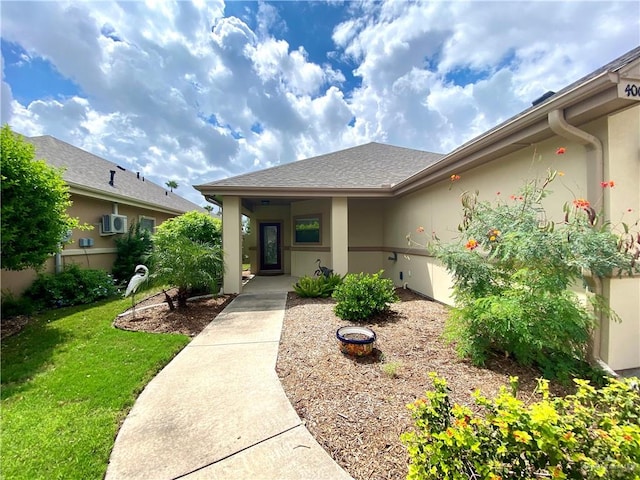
516,131
595,156
100,195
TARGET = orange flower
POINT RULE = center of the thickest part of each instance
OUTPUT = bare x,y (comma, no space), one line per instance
560,173
420,229
561,151
471,244
454,177
581,203
612,183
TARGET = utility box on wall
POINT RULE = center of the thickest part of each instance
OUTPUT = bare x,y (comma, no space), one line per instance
85,242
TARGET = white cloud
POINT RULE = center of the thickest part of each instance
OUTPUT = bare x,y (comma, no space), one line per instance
178,91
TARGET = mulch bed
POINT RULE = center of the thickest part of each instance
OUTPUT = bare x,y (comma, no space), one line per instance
355,409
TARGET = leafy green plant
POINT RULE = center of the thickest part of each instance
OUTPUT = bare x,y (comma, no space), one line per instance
512,271
391,369
13,306
594,433
133,249
187,265
187,254
35,199
196,226
321,286
73,286
361,296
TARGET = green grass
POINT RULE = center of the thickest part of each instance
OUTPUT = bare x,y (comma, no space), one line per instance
68,380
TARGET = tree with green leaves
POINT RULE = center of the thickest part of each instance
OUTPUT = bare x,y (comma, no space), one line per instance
187,254
35,200
172,184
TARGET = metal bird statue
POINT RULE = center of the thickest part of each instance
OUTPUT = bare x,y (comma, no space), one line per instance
321,270
141,276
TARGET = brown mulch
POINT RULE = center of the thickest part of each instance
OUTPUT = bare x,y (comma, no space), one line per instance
154,316
355,407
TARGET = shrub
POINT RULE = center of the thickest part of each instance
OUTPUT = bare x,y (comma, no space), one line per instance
33,212
196,226
73,286
362,295
321,286
594,433
185,264
134,249
13,306
512,271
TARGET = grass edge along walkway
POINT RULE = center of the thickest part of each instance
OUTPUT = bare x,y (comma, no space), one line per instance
68,381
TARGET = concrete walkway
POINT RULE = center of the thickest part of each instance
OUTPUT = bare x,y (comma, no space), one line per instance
218,410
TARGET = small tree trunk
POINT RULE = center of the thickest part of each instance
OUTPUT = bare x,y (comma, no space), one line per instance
167,299
183,294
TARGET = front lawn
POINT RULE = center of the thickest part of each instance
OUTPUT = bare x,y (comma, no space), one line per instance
68,380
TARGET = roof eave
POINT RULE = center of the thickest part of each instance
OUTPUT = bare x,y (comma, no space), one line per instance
513,135
121,199
211,192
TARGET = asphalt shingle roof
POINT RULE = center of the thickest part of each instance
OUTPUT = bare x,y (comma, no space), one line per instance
83,169
369,166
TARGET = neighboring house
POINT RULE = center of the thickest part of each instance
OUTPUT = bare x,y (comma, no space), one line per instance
354,208
105,196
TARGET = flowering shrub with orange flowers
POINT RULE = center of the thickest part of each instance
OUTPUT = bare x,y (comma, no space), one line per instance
592,434
512,269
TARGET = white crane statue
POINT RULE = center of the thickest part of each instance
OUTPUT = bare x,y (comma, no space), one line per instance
141,275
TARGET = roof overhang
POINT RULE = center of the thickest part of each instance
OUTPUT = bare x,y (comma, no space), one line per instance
253,197
77,189
591,100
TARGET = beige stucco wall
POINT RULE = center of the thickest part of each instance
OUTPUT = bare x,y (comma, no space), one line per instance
437,209
89,211
366,236
303,257
622,347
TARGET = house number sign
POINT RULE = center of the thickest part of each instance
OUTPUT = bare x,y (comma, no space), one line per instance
629,89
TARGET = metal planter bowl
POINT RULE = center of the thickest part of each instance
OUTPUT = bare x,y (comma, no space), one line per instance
356,341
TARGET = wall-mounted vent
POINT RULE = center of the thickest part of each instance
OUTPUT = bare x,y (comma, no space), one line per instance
114,223
85,242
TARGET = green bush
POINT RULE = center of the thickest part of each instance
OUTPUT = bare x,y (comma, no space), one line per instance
592,434
13,306
196,226
361,296
73,286
317,286
185,264
512,271
133,249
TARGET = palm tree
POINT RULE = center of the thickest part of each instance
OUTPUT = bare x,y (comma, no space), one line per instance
172,184
208,208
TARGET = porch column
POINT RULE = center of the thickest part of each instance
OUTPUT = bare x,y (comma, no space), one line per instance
232,244
340,235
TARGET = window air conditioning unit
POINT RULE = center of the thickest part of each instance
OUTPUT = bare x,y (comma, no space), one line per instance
114,223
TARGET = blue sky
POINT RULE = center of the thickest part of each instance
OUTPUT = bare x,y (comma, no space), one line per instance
199,91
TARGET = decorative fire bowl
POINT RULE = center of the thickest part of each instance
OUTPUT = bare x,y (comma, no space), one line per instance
356,341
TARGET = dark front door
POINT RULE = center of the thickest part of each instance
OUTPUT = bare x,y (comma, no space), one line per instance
270,247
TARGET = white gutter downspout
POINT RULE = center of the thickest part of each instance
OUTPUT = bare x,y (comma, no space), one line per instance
595,155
